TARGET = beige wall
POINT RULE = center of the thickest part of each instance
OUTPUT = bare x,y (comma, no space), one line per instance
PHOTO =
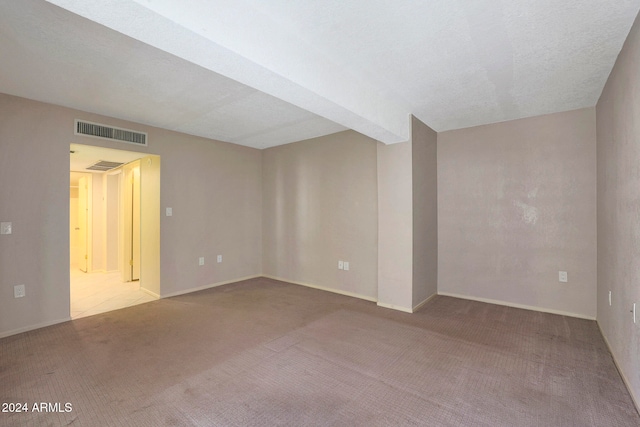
319,206
618,124
408,220
213,187
215,191
395,226
150,176
346,197
516,204
425,211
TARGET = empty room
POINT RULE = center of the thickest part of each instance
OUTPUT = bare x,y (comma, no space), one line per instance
258,213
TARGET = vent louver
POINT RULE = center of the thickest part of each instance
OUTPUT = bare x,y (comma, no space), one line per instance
96,130
104,166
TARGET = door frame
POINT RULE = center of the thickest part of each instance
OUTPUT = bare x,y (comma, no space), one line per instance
150,215
147,169
130,215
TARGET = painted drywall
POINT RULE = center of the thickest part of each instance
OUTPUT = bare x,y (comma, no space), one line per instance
395,226
618,129
150,175
111,183
213,187
425,211
517,204
98,224
34,196
319,207
73,224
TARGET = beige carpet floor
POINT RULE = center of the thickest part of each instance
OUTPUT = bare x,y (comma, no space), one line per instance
265,353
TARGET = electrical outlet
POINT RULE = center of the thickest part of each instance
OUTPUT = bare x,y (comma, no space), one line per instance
169,212
19,291
201,261
340,265
219,258
346,265
5,228
562,276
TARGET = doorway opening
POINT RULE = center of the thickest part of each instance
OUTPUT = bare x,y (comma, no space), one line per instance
114,213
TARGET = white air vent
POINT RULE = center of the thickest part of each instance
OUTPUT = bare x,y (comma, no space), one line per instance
96,130
104,166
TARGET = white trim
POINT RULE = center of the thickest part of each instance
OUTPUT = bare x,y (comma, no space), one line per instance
419,306
635,400
395,307
523,306
322,288
148,292
33,327
406,309
213,285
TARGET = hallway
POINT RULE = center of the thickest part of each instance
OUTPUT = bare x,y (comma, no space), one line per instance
94,293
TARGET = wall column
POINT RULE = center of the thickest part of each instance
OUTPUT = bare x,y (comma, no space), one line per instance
407,220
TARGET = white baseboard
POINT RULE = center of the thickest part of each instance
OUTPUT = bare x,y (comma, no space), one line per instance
395,307
213,285
635,399
148,292
406,309
322,288
514,305
419,306
32,327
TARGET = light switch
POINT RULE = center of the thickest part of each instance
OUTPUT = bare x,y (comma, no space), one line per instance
562,276
346,265
340,265
219,258
201,260
169,211
5,228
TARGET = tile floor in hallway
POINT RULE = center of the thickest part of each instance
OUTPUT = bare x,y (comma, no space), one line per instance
94,293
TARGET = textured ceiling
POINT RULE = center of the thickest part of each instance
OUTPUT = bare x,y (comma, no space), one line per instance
55,56
262,73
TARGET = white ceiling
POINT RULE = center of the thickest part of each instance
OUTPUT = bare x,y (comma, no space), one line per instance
263,73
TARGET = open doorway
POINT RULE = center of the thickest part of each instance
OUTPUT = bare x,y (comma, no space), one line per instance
114,213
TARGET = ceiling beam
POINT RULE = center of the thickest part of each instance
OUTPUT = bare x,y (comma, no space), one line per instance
239,41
